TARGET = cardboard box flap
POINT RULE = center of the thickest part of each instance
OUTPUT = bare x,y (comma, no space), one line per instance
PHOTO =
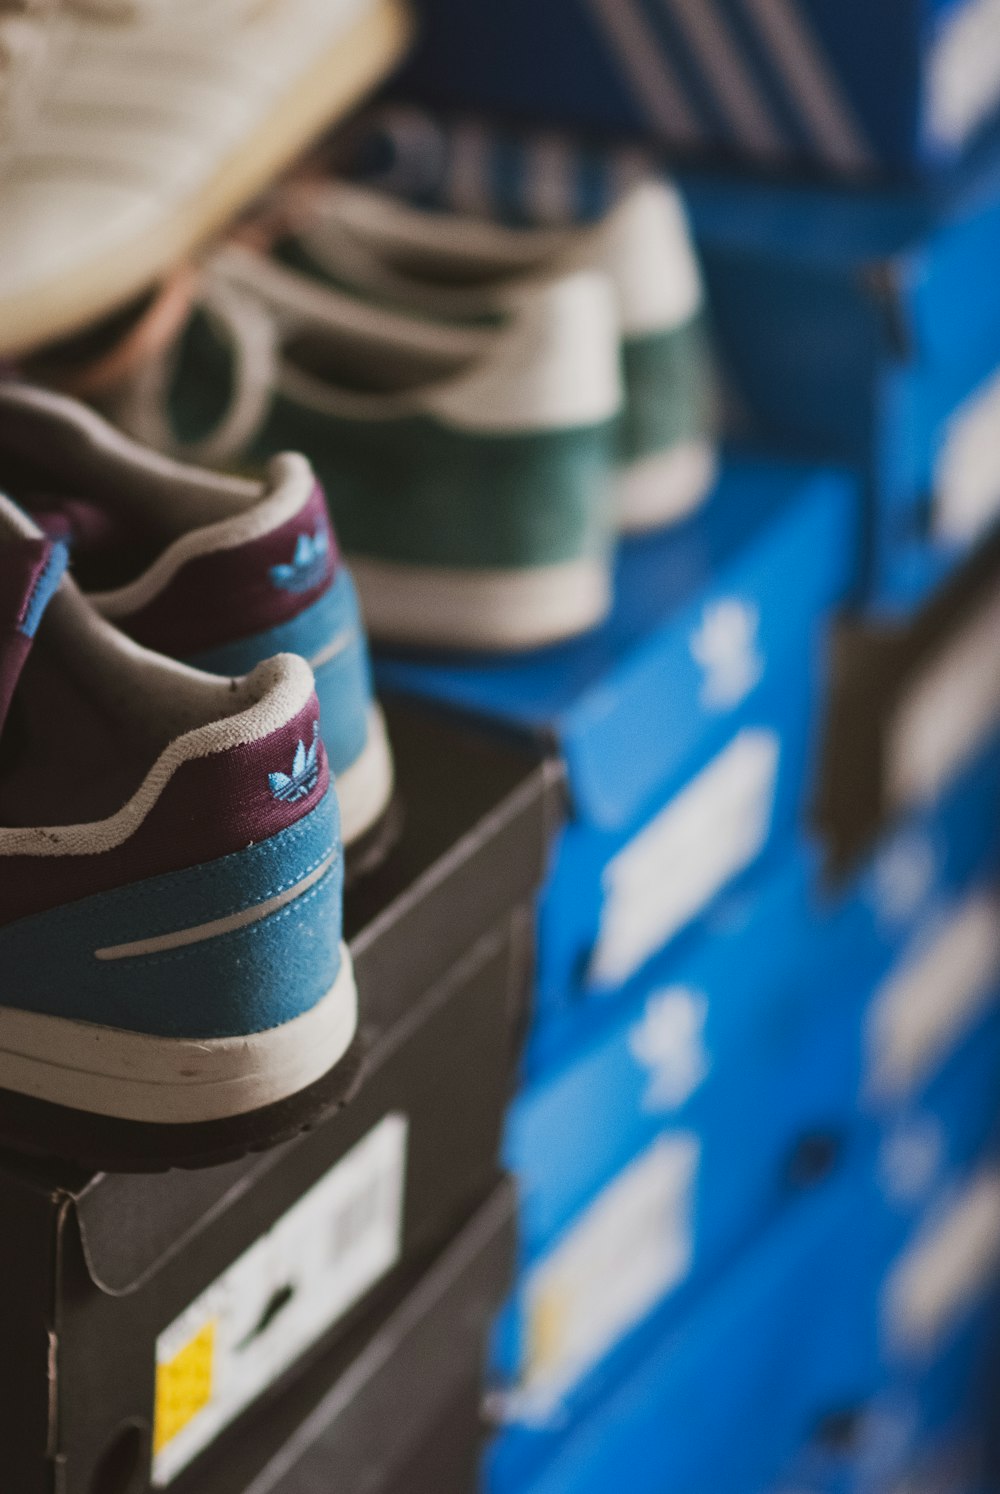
702,612
427,1339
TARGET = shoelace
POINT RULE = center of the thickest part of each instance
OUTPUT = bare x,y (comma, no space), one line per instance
248,329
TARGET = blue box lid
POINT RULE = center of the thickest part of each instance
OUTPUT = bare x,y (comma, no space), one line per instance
704,616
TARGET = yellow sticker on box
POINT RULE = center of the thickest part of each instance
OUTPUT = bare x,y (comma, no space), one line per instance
184,1386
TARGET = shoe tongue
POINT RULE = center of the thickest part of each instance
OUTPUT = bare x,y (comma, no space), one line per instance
30,572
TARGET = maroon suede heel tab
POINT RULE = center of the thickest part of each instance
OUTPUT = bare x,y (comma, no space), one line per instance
210,807
225,595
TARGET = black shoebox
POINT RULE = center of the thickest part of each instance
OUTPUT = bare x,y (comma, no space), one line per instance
397,1405
141,1316
914,703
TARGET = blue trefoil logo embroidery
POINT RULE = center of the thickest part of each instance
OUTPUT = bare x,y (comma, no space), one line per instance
307,567
289,788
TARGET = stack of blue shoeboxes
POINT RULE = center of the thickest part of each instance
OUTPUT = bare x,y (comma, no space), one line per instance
758,1134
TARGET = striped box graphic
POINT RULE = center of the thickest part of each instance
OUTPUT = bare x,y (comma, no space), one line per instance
855,87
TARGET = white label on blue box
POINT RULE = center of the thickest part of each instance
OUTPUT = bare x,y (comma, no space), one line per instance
963,78
279,1297
948,715
953,1261
687,853
967,470
923,1009
631,1247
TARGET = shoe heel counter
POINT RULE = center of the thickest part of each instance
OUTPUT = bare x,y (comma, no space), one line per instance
330,636
222,949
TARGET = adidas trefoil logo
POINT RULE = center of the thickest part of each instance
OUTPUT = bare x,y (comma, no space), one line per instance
304,775
669,1043
307,566
727,648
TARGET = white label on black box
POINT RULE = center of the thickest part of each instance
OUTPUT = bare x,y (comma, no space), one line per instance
687,853
963,84
948,715
953,1261
627,1251
279,1297
967,471
924,1008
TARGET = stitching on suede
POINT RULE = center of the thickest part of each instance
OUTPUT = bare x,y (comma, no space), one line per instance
136,894
193,951
317,617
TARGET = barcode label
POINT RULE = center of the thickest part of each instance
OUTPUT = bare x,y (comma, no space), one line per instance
631,1247
948,715
279,1297
673,868
924,1009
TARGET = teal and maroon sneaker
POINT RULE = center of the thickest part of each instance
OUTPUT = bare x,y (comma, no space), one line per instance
469,469
175,989
461,262
217,571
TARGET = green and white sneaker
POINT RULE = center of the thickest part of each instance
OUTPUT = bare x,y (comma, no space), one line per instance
471,269
469,469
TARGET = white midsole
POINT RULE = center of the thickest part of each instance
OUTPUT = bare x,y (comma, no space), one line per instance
440,606
665,487
174,1081
365,788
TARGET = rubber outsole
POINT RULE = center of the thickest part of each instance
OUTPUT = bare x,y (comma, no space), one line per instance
41,1129
490,610
665,488
364,790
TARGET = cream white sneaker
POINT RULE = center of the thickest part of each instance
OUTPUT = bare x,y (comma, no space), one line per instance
131,129
465,268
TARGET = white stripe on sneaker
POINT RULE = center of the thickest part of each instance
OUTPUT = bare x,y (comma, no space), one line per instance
811,85
142,1077
739,98
654,81
333,649
218,926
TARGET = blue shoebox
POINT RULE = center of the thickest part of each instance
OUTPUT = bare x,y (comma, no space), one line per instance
920,866
667,1050
865,329
911,952
848,87
671,1131
921,1320
687,721
718,1399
